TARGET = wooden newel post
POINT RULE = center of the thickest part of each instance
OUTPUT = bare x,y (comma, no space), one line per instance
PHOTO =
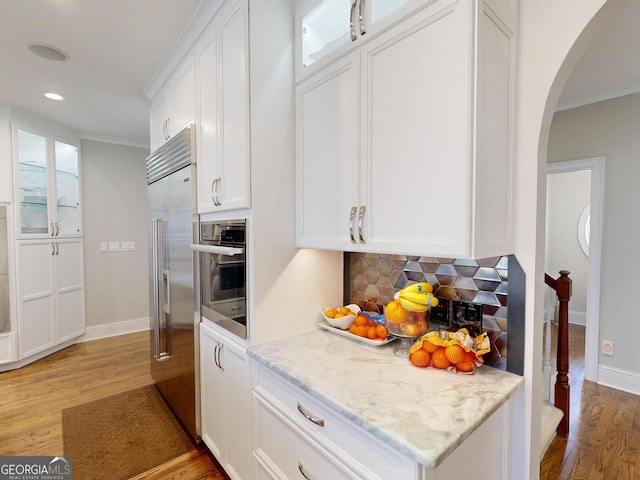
562,389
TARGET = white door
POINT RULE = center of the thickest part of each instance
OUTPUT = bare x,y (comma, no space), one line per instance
327,134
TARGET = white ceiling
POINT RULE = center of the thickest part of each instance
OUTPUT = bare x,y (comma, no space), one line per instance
116,46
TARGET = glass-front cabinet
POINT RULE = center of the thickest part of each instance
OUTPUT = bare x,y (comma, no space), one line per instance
48,186
325,25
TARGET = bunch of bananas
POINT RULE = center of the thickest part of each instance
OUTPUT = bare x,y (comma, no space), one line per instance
417,297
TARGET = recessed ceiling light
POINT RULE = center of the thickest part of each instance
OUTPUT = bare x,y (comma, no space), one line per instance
47,51
53,96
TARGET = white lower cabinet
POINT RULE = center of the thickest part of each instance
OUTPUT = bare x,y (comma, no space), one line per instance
225,397
296,436
51,305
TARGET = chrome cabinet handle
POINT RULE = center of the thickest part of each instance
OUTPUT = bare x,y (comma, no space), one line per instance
214,191
53,249
57,248
215,354
309,416
165,129
361,18
360,217
303,472
352,216
53,230
57,229
219,348
352,27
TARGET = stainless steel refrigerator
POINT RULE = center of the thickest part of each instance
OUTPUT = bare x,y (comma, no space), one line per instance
173,222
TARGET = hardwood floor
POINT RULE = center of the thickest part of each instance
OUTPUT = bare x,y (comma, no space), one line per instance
32,399
604,429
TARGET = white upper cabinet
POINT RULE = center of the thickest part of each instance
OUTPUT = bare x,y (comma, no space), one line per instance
405,145
327,28
47,186
223,136
173,107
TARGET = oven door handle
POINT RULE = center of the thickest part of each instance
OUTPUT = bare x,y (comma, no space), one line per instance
217,249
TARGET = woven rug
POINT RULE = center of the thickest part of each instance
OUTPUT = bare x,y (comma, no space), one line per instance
123,435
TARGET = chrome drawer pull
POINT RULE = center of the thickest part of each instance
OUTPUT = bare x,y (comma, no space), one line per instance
309,416
303,472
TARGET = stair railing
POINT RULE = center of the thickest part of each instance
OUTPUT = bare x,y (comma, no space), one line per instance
562,286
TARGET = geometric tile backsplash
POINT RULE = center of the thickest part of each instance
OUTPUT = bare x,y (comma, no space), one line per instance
373,279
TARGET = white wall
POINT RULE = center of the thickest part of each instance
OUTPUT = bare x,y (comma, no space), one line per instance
547,51
114,193
286,281
610,129
567,196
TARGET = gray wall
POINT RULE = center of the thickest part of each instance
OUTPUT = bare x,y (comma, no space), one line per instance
610,129
115,210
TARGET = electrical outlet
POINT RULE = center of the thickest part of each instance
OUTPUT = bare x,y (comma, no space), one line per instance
440,314
467,315
607,347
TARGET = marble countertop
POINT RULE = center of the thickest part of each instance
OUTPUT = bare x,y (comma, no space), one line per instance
423,413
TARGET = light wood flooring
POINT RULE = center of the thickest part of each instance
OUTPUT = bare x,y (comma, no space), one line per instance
604,428
32,399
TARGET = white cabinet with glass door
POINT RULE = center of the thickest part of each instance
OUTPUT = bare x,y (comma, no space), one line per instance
405,144
47,186
224,179
327,28
5,158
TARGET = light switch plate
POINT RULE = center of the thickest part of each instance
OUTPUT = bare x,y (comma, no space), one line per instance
104,246
128,246
114,246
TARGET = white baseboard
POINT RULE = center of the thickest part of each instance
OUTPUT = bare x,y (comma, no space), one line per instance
112,329
619,379
579,318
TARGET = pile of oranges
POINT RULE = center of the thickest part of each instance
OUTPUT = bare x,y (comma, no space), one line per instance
368,328
432,351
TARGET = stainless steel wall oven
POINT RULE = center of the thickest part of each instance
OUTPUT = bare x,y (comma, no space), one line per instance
223,274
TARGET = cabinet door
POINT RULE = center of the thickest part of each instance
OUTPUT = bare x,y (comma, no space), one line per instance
234,188
415,139
66,201
212,392
36,291
208,157
182,99
69,282
238,413
224,176
327,135
159,117
33,187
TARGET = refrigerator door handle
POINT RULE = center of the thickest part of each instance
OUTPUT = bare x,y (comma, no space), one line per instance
160,297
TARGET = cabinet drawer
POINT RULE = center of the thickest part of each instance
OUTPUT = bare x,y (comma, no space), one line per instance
363,452
286,451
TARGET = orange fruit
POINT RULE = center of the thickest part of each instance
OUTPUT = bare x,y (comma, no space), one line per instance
420,358
430,347
352,329
360,320
371,333
455,353
465,366
345,311
381,331
361,330
331,313
395,313
439,358
338,315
